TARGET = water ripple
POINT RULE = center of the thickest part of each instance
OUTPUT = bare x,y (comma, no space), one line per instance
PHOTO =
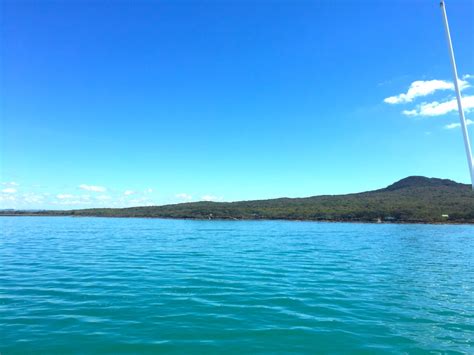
143,285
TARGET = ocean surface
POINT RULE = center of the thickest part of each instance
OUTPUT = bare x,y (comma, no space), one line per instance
90,285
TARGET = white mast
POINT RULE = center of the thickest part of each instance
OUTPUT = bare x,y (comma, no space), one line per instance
458,94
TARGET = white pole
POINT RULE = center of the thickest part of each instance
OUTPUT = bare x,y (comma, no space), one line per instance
458,94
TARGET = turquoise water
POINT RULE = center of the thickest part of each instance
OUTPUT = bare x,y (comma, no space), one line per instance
88,285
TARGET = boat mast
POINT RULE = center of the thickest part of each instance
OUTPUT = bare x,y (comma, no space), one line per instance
458,94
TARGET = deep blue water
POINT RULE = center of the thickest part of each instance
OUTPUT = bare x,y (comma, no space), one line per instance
88,285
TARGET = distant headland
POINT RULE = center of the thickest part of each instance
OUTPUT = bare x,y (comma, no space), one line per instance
415,199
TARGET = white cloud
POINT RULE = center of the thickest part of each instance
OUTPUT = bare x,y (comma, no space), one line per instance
456,125
149,191
11,183
92,188
11,198
31,198
64,196
184,197
452,125
423,88
70,202
7,198
144,201
410,112
436,108
24,201
78,200
211,198
467,76
129,192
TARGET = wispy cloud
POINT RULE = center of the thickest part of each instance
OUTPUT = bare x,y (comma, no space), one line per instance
456,125
10,183
32,198
129,192
64,196
143,201
93,196
211,198
421,88
184,197
24,200
92,188
436,108
8,199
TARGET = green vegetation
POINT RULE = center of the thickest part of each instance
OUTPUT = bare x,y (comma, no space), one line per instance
414,199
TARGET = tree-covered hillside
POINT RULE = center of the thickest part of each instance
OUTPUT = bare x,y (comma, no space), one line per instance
413,199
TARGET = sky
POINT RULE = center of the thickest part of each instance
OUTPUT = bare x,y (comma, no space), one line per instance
126,103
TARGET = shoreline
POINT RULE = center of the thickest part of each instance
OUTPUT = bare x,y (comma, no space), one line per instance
412,200
249,219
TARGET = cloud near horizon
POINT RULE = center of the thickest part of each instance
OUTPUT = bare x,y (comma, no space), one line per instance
10,183
92,188
184,197
64,196
209,198
34,197
9,190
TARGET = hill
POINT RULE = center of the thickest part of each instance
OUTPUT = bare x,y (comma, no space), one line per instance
415,199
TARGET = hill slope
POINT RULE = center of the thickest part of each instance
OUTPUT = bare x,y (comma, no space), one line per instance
413,199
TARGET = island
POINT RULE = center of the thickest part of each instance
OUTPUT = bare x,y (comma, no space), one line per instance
415,199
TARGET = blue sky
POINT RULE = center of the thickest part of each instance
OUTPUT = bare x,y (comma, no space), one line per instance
120,103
